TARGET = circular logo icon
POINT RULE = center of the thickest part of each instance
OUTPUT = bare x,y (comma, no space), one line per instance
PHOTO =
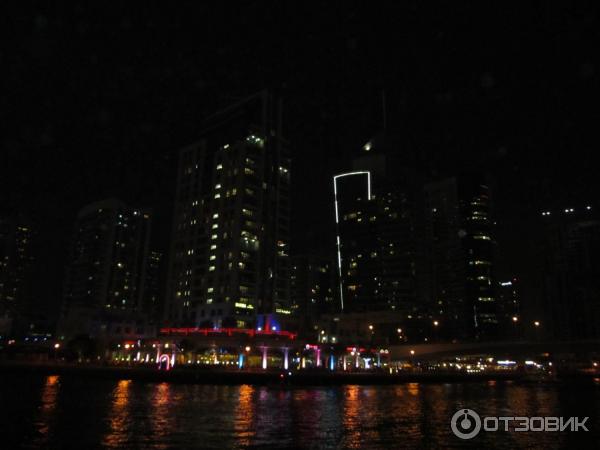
465,423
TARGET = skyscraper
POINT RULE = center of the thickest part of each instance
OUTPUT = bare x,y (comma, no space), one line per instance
104,286
459,254
571,272
377,233
16,260
312,287
378,205
229,251
152,301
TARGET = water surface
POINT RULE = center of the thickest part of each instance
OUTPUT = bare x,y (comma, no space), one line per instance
69,412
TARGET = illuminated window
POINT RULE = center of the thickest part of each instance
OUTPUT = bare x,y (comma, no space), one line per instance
219,166
218,186
213,247
211,269
217,195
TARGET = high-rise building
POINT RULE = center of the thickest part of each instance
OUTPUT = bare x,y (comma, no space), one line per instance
16,261
152,301
571,273
377,234
104,286
509,308
231,226
380,245
459,253
312,287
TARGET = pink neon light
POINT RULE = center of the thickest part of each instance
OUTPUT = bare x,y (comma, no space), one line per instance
164,357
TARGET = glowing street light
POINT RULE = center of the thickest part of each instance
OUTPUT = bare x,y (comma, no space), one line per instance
435,323
57,345
371,327
399,330
412,353
536,323
247,348
515,319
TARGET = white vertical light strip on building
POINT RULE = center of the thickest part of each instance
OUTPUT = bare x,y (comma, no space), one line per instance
337,222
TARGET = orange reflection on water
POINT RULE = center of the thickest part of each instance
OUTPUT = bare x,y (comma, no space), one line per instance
413,389
244,415
49,401
161,417
50,392
118,417
351,417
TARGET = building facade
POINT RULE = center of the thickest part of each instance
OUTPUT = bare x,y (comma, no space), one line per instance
16,261
229,251
571,273
312,288
459,253
105,279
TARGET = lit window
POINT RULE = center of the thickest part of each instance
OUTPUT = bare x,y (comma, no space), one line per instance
219,166
211,269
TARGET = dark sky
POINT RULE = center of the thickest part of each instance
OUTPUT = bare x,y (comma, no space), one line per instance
96,100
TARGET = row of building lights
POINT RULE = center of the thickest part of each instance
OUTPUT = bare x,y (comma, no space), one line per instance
566,211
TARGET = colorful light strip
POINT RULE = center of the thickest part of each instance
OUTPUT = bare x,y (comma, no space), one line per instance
227,331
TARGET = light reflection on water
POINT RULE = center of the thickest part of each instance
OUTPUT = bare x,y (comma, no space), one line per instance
53,411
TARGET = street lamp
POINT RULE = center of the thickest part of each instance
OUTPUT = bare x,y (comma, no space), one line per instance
435,323
536,323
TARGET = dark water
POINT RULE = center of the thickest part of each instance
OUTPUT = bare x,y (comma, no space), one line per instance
59,412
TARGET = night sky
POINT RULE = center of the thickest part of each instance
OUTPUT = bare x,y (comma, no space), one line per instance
96,101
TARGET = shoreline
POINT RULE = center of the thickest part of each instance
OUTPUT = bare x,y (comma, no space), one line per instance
195,375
